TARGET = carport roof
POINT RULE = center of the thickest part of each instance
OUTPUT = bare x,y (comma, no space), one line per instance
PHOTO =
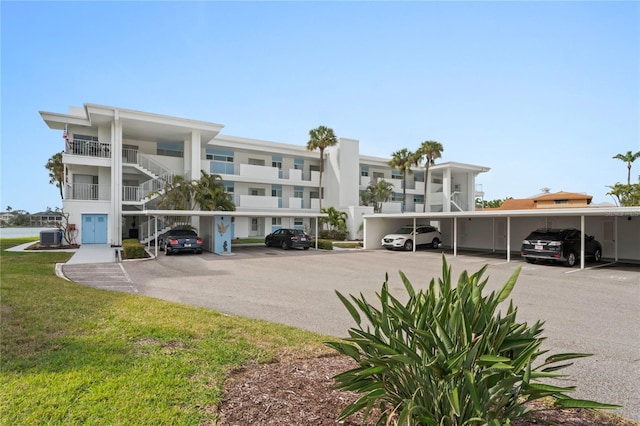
589,211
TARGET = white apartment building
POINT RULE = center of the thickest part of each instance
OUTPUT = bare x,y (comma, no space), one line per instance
115,160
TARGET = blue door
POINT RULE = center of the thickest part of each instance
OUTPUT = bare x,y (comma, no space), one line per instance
94,229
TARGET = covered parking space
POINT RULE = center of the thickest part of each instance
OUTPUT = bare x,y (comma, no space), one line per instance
214,226
617,228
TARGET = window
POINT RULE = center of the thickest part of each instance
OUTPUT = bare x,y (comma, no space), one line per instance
561,201
418,177
298,164
276,221
276,190
298,192
256,162
222,161
418,199
364,171
85,138
276,162
397,196
396,174
170,149
298,223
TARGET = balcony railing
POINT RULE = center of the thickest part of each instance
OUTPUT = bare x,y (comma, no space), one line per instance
130,193
87,191
88,148
260,172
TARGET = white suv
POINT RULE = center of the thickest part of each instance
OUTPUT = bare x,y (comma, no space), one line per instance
404,238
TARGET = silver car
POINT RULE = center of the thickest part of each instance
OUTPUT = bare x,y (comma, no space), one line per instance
404,238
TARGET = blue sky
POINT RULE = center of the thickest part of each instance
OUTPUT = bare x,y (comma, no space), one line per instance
543,93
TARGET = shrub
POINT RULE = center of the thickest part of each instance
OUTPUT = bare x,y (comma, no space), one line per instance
133,249
333,234
447,357
325,244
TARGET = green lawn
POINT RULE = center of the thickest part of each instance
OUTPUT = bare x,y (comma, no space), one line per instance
76,355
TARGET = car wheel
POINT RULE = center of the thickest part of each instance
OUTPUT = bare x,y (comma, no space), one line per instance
408,245
435,243
284,245
597,255
266,243
571,259
306,248
167,252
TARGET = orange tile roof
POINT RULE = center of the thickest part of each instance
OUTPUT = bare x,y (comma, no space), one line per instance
531,203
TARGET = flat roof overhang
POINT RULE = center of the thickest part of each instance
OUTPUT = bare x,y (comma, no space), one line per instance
205,213
590,211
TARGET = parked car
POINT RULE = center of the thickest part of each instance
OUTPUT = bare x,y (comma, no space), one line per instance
181,240
404,238
559,245
288,238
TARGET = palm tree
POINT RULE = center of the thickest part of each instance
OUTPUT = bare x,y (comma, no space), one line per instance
321,138
377,193
56,171
335,218
402,161
629,158
177,194
210,193
627,195
429,151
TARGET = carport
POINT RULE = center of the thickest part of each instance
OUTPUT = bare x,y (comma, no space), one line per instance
617,228
217,217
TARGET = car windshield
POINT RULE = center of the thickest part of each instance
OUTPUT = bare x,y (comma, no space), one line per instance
182,232
542,235
404,230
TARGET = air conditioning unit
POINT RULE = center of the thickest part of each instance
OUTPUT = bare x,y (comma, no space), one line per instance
50,238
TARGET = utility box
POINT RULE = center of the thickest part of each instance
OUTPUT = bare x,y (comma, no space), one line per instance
50,238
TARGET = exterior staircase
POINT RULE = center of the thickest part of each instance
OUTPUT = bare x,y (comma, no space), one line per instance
150,189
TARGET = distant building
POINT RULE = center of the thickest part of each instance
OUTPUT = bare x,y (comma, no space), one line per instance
7,217
547,200
46,218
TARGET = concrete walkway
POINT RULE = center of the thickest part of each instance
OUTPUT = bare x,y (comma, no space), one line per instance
93,253
87,253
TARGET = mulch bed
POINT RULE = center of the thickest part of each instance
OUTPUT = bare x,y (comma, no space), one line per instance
300,392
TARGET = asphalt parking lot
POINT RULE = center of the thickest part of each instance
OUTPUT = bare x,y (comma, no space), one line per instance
595,310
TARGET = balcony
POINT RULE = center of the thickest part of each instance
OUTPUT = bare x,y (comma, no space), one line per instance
274,203
267,174
88,148
87,191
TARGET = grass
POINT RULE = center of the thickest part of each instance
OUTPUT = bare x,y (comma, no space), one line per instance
348,244
248,240
72,354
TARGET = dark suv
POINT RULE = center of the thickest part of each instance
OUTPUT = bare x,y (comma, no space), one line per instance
559,245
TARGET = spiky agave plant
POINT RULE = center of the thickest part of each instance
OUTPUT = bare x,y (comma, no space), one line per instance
448,356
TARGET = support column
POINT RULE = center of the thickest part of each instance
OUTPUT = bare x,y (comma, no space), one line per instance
192,164
446,190
115,213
